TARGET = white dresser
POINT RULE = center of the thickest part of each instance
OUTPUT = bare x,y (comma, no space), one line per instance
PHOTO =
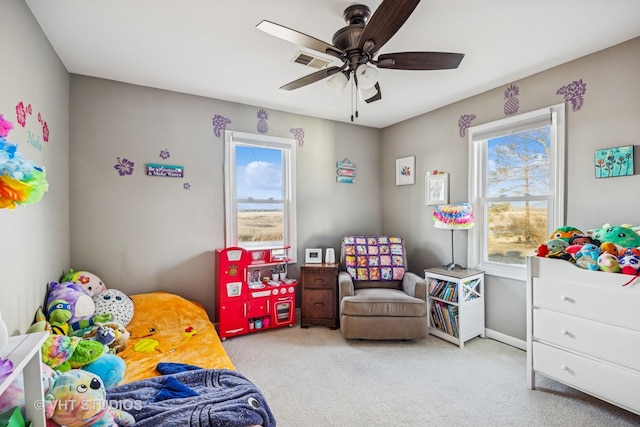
583,330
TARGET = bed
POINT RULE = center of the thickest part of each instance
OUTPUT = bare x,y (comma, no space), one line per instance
178,373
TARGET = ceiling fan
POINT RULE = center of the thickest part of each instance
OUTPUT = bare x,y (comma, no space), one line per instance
357,45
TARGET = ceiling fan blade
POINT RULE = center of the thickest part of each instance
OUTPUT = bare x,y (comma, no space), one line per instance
312,78
296,37
419,60
384,23
376,97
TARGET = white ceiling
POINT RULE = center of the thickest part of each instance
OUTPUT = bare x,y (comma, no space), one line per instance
212,48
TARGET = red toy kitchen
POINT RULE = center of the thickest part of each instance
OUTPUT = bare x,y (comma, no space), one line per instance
254,292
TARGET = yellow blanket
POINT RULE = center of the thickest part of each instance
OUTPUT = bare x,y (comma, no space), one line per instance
168,328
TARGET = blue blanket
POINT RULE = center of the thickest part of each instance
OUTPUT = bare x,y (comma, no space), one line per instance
212,397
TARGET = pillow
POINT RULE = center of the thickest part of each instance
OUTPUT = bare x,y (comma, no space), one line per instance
374,258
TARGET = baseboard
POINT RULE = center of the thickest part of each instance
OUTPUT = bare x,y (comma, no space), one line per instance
509,340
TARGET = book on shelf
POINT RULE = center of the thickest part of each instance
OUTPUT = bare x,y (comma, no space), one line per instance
445,318
444,290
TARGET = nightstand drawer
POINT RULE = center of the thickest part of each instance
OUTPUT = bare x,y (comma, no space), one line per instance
319,280
611,343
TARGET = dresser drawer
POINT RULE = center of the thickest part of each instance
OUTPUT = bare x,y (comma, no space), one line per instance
597,339
617,385
319,280
616,305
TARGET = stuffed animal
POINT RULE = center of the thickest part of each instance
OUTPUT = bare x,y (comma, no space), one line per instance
116,303
611,248
587,257
608,262
40,323
103,333
14,394
622,235
554,248
629,263
577,242
110,368
68,297
89,281
77,398
62,352
565,233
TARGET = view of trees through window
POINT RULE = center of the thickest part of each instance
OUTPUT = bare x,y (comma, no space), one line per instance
517,192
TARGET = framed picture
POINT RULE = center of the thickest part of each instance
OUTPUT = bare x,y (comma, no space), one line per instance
436,189
313,256
616,161
406,170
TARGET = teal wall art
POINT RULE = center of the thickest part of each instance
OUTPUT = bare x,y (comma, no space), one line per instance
617,161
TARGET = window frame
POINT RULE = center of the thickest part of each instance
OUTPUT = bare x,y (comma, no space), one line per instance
288,148
478,137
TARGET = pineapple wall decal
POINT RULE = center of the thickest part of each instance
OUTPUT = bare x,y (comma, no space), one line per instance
263,127
511,103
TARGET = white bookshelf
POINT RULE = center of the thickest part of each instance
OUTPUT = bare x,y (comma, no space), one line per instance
24,353
456,315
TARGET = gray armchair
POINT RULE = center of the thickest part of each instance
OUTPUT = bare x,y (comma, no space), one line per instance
392,306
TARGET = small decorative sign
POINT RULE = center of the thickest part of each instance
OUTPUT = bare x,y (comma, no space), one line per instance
346,172
154,169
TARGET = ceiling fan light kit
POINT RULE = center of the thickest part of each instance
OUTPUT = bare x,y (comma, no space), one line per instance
367,93
357,44
338,82
366,76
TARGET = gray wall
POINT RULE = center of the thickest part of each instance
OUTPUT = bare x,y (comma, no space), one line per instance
35,237
608,118
141,233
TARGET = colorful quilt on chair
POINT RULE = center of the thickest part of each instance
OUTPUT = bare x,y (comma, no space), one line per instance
374,257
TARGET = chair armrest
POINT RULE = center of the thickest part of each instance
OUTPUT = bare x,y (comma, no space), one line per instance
345,285
414,285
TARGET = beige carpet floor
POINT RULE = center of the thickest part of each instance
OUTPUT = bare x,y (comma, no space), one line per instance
315,378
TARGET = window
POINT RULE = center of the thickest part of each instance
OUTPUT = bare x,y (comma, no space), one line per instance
516,188
260,192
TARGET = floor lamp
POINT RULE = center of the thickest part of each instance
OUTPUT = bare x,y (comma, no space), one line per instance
453,217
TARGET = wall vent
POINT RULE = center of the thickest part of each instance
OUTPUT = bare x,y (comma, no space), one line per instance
305,58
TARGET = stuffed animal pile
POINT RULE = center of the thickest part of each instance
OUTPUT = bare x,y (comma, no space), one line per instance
612,248
87,323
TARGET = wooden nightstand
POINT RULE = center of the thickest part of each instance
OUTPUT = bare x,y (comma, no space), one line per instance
319,295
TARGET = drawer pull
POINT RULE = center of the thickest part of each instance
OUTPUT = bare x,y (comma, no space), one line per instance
565,332
567,299
565,368
318,303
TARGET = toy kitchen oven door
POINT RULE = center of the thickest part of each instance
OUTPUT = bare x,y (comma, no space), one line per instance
284,310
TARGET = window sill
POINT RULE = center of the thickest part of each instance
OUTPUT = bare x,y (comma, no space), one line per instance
512,272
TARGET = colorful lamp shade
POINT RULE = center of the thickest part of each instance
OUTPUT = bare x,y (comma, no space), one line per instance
453,217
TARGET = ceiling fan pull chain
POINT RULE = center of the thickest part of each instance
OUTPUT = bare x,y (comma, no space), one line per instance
352,100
